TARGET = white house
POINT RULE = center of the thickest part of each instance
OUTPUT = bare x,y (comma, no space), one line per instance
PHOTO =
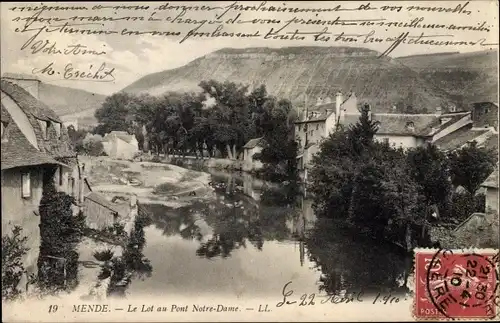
120,145
252,147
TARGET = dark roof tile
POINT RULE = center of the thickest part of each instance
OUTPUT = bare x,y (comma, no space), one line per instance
459,138
55,146
399,124
17,151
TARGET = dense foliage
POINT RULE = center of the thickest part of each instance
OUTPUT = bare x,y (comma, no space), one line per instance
86,143
217,122
471,165
391,193
60,233
13,250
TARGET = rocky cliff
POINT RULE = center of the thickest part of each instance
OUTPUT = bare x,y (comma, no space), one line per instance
293,72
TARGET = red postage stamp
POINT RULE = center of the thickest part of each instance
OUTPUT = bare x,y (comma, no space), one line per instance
453,284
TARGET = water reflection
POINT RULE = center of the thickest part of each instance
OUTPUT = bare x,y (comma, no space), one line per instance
262,236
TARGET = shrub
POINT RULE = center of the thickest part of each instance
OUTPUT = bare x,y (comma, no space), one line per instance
13,250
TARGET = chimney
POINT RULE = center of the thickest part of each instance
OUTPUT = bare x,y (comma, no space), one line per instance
133,200
438,110
338,104
27,82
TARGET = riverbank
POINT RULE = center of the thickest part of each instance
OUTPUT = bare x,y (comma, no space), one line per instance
151,182
222,164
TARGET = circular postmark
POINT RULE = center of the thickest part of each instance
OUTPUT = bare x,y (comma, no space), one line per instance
463,285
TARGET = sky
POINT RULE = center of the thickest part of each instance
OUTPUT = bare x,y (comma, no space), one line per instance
133,57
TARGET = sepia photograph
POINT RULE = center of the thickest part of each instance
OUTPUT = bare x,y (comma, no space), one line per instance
249,161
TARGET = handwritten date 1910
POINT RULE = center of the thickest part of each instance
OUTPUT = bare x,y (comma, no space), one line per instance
309,299
99,74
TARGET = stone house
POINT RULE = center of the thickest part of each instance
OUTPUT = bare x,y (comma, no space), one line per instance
485,114
120,145
35,150
252,147
101,213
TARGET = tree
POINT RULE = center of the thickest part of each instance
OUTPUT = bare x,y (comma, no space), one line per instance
362,133
471,165
280,148
429,169
114,114
92,145
366,184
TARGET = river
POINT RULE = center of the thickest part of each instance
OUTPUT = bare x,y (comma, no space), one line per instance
252,240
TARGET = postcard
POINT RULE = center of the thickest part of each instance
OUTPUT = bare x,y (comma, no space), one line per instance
249,161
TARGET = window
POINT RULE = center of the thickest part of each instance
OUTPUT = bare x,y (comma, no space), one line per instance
317,126
61,175
26,185
57,127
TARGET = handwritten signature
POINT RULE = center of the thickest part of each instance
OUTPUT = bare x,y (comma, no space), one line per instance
51,48
311,299
101,74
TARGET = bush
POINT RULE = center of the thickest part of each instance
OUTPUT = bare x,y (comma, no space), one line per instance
13,250
165,188
463,205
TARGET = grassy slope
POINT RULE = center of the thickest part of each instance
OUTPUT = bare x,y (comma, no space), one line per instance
67,101
467,77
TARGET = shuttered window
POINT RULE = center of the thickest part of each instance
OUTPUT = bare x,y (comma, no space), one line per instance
26,185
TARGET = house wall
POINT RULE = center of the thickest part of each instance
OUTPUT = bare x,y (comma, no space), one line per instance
308,155
492,199
315,132
249,162
330,124
400,140
97,216
350,106
122,150
485,115
20,211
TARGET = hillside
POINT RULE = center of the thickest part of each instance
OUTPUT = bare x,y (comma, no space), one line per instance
293,71
467,77
66,101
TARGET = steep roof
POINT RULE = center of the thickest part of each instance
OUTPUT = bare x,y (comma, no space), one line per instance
399,124
5,115
123,135
54,145
101,200
252,143
28,103
17,151
458,138
492,180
